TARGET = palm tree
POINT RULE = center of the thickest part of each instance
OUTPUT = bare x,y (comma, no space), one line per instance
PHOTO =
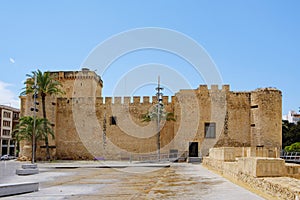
25,129
46,86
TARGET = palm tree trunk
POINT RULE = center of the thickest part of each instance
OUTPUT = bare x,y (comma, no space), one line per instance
35,151
45,127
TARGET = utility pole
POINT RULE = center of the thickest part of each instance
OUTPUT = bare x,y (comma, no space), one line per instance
159,105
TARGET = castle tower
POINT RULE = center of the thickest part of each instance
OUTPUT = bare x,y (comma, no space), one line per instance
75,84
266,113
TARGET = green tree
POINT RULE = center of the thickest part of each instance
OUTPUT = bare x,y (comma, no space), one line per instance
151,116
295,147
290,133
25,129
46,86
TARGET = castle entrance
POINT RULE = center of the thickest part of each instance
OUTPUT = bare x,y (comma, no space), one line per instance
193,149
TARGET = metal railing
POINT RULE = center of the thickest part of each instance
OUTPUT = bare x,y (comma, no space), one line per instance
291,156
168,157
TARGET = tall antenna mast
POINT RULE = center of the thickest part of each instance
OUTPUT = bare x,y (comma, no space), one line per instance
159,106
159,94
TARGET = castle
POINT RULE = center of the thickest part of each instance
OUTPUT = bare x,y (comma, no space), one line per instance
88,126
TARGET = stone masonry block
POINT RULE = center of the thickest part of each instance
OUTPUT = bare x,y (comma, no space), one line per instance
226,154
262,167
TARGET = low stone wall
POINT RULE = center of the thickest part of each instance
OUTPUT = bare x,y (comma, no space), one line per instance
286,188
213,164
229,154
230,169
266,175
293,170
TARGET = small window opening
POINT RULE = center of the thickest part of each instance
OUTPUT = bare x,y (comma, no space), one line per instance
113,120
210,130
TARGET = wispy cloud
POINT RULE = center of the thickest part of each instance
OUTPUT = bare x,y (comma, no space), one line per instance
7,97
12,60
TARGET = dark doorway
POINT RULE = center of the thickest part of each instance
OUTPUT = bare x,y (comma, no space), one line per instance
193,149
4,147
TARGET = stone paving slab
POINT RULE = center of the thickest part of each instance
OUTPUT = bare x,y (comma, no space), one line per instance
179,181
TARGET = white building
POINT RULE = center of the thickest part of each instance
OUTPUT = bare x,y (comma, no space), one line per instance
292,117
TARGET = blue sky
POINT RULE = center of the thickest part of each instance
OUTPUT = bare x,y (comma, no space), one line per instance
253,43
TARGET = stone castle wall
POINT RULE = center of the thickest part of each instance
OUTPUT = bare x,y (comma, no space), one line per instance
129,135
242,119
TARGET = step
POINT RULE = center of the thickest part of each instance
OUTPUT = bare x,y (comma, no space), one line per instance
17,188
24,172
194,159
29,166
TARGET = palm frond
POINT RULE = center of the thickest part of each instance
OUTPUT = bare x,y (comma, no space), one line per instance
24,129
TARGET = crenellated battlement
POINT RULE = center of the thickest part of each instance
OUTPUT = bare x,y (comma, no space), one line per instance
214,88
142,100
74,75
135,100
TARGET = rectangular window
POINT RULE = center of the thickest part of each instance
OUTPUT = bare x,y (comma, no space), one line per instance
6,123
16,116
254,106
210,130
4,142
6,114
6,132
113,120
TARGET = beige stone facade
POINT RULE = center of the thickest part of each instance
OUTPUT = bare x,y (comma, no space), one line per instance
86,125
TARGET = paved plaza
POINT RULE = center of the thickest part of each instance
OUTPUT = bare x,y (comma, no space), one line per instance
94,180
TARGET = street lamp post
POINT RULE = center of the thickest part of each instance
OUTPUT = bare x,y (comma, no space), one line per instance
29,169
34,87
